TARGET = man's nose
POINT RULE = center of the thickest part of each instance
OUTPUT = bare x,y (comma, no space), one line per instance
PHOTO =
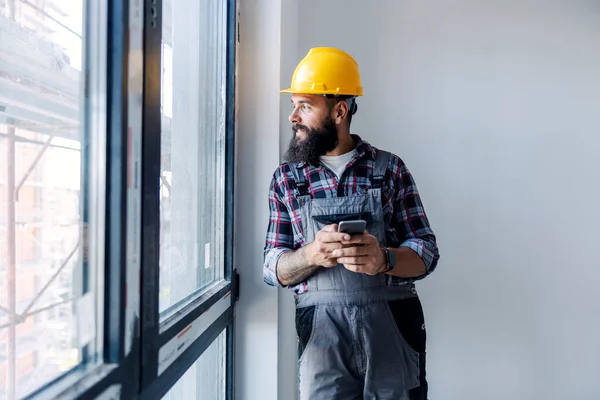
294,117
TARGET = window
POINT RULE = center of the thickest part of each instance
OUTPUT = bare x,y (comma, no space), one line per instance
48,303
187,205
116,184
193,129
206,377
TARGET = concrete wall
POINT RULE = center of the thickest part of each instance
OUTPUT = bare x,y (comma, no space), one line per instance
494,107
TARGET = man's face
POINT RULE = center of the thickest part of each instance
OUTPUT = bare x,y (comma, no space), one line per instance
313,129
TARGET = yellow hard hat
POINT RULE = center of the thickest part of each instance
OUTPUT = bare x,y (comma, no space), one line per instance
326,70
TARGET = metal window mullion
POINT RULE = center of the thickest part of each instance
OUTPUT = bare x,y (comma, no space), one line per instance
230,136
91,244
184,317
116,171
230,272
150,171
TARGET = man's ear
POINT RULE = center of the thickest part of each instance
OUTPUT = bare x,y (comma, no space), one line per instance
340,111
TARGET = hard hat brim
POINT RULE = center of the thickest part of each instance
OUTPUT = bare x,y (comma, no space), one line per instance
358,93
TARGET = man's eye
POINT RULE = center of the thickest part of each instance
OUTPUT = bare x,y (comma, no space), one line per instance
305,107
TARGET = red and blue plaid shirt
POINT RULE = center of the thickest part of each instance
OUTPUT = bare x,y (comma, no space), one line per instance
406,223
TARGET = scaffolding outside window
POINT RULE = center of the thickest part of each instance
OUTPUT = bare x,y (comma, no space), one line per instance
47,299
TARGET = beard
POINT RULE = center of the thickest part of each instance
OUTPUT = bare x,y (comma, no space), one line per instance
318,142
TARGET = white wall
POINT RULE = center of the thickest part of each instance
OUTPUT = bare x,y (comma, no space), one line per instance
257,148
288,351
494,107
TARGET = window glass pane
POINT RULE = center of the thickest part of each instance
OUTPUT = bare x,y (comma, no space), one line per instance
193,148
41,199
206,377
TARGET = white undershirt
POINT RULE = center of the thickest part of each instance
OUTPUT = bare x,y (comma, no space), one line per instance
338,163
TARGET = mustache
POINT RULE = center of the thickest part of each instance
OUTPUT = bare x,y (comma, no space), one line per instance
297,127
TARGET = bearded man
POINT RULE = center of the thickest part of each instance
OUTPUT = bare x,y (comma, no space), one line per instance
359,320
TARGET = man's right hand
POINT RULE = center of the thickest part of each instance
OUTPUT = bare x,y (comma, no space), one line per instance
328,239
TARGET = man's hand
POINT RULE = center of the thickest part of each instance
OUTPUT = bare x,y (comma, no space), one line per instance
296,266
361,254
328,239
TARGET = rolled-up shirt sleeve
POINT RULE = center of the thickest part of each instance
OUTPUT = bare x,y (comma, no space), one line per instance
411,222
279,238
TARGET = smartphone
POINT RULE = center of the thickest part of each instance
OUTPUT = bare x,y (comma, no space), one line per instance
353,227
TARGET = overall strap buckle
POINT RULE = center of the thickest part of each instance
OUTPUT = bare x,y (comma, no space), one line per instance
380,168
301,183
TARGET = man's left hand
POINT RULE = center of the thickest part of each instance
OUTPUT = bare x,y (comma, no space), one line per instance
361,254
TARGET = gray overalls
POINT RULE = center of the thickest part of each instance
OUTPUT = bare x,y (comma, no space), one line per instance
354,350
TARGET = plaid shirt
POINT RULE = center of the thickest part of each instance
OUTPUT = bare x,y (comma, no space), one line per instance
406,223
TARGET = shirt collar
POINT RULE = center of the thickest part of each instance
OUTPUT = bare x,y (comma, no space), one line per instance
363,149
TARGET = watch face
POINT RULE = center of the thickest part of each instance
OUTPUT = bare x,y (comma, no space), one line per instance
391,258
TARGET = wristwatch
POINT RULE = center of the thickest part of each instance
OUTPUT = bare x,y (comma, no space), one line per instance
390,260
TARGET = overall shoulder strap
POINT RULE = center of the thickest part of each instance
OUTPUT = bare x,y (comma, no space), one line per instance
299,179
380,167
